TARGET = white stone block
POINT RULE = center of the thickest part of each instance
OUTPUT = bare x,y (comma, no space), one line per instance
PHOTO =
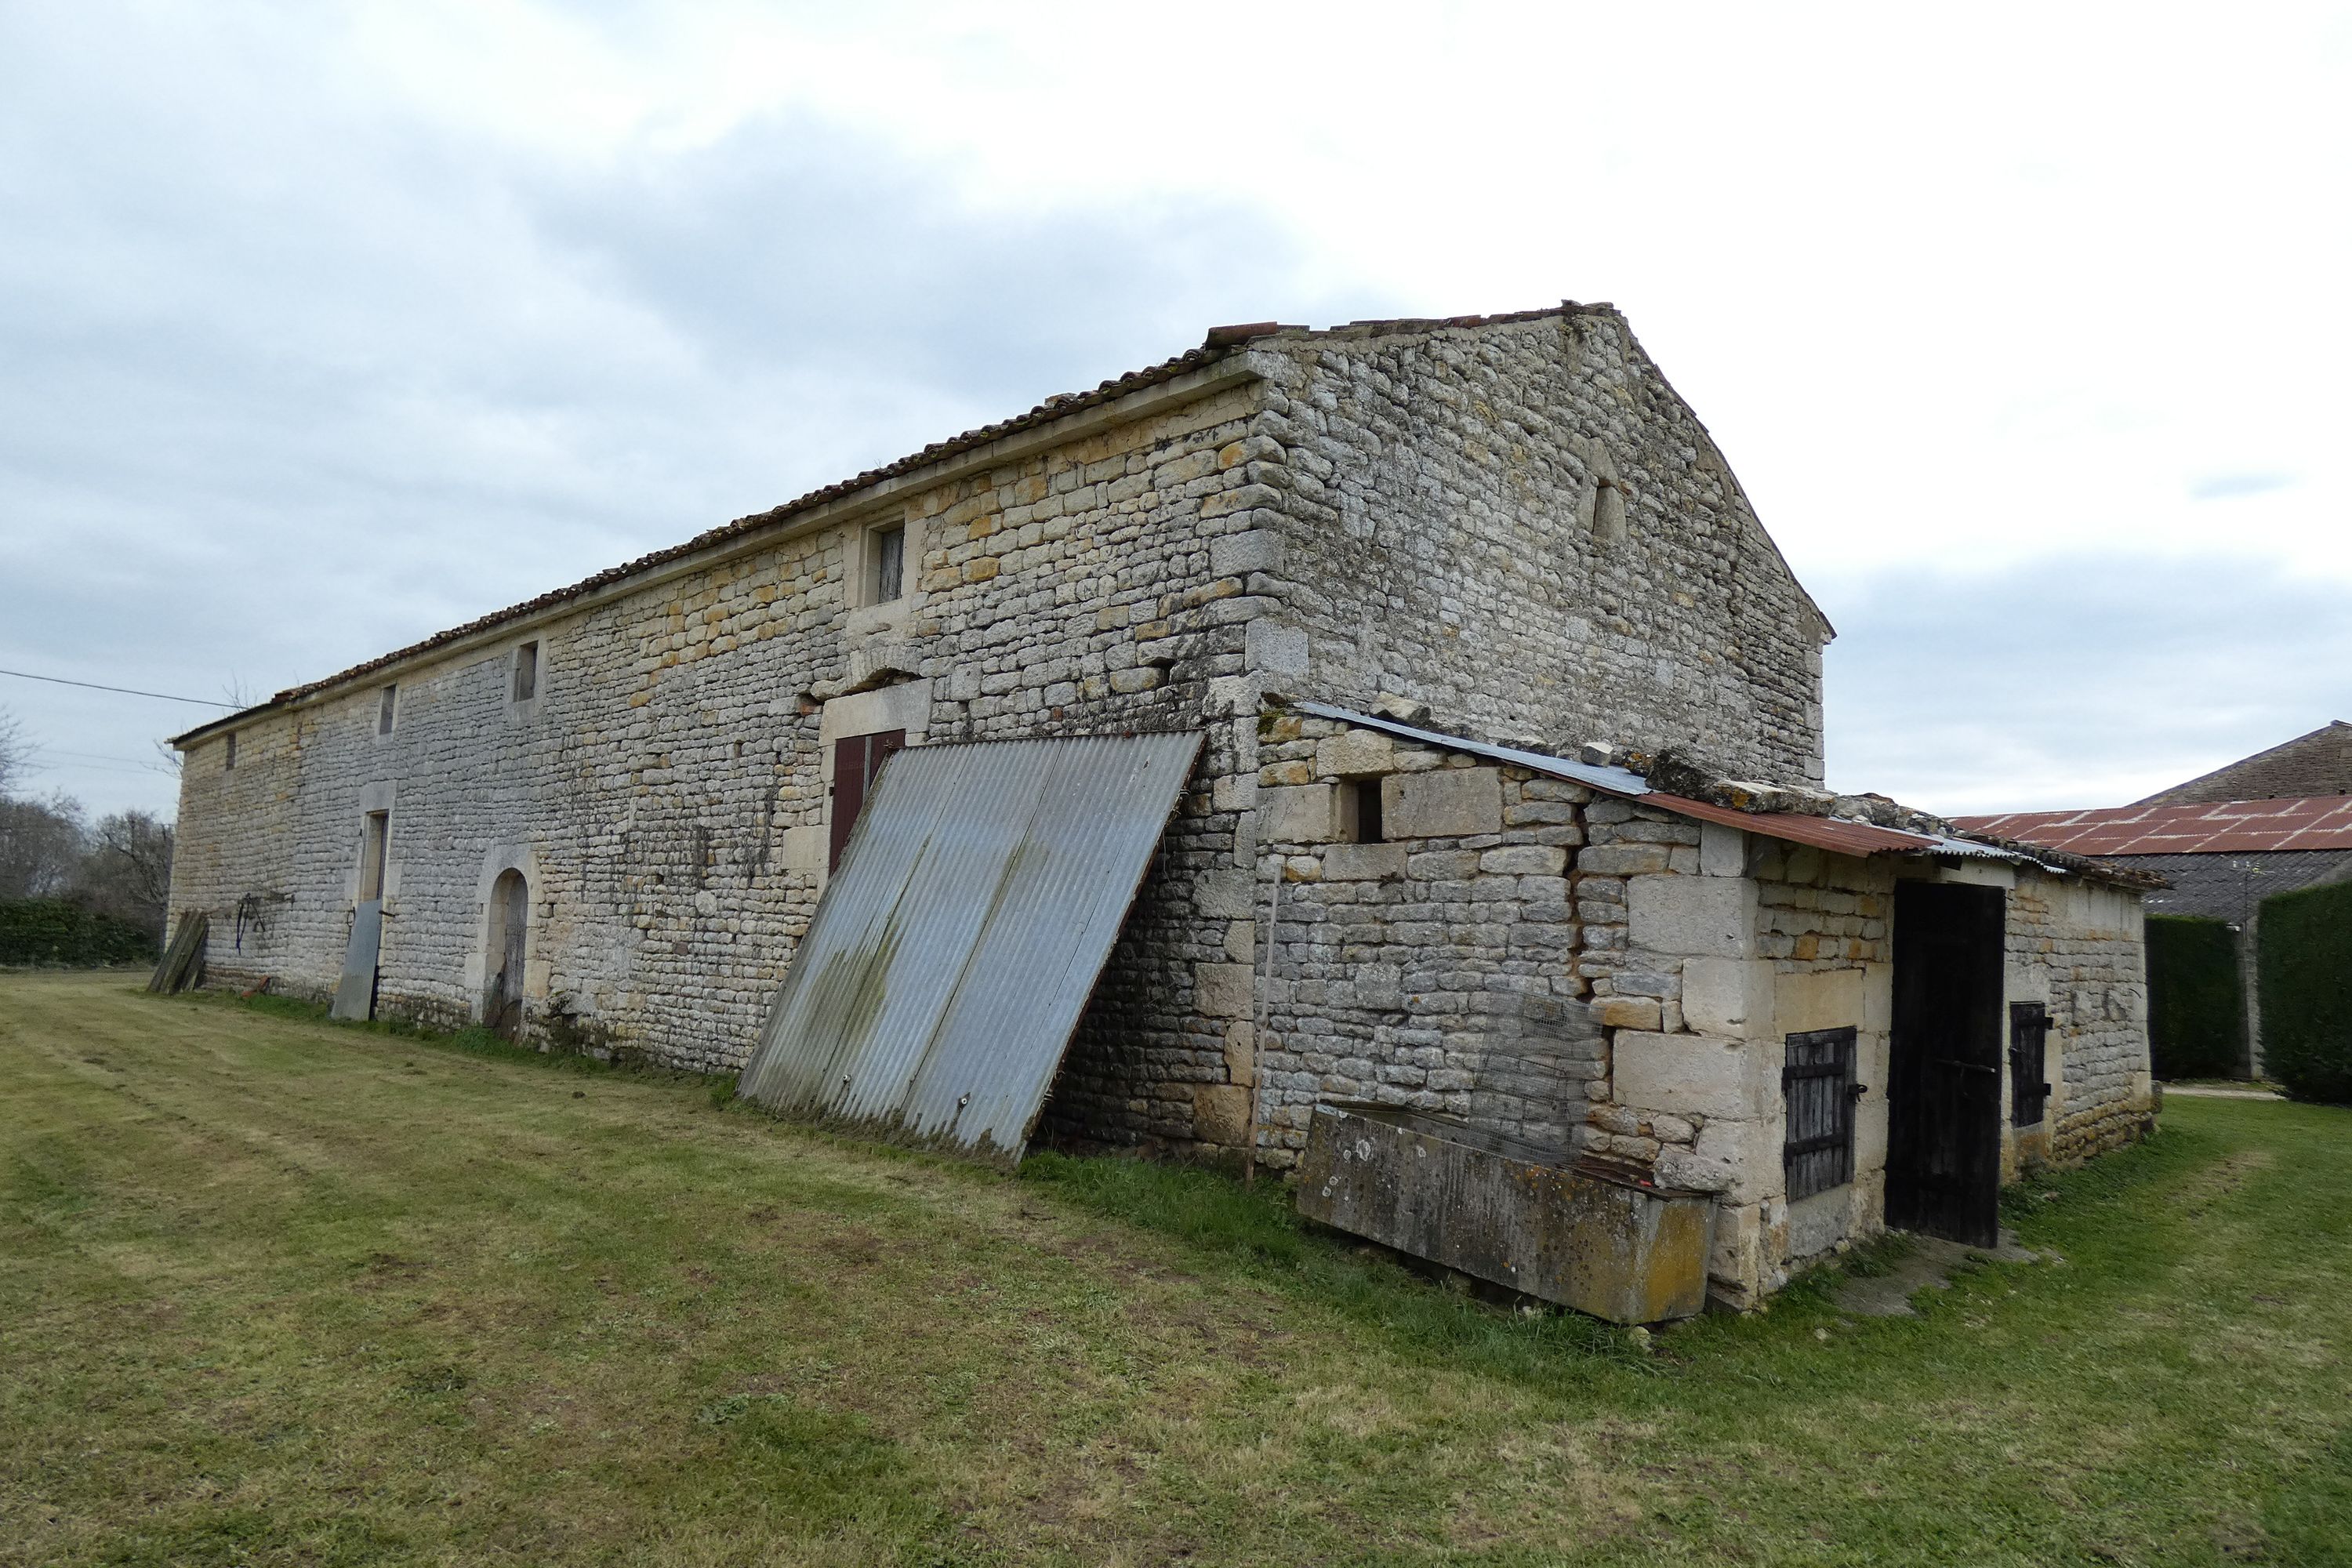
1722,851
1446,803
1298,814
1238,554
1363,862
1355,753
804,848
1687,1075
1276,649
1224,990
1696,916
1225,895
1728,996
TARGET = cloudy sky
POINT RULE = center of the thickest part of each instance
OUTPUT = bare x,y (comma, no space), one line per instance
324,327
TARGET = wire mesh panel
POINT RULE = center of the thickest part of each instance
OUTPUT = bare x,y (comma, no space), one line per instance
1817,1082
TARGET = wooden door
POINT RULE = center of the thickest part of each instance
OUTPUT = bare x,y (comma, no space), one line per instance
509,928
1943,1135
856,760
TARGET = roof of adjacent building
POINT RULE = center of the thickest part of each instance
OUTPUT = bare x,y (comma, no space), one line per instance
2318,764
2218,827
2232,887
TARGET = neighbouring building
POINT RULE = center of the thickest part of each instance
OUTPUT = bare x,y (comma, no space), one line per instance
1424,588
2276,821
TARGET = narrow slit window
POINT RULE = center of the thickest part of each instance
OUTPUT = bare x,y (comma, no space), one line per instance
384,709
228,752
2029,1091
376,839
889,552
1359,812
526,672
1819,1091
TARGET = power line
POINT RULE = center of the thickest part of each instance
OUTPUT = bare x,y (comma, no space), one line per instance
127,691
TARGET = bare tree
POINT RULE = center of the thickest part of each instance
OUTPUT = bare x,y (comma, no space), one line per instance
41,847
127,871
13,753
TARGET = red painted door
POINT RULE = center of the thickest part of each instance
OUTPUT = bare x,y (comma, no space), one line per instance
856,759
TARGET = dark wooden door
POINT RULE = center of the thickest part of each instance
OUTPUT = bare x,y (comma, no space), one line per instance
857,760
1943,1134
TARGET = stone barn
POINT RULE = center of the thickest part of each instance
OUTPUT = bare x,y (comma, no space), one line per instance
1506,804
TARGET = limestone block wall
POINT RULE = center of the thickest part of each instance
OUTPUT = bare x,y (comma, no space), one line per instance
1524,526
665,790
1431,969
2077,947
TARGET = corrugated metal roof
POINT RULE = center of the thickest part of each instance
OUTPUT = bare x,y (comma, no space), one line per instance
2222,827
953,951
1837,834
1833,833
1614,781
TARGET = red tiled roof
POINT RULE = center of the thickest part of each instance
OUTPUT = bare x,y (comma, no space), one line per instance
2236,827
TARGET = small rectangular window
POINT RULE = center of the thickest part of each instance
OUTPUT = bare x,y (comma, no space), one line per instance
384,710
889,549
1359,812
371,853
2029,1091
228,754
1818,1091
526,672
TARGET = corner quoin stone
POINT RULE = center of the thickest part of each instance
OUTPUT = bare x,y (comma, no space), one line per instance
1687,1075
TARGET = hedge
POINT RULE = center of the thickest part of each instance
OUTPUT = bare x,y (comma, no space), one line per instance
2196,998
52,932
2306,986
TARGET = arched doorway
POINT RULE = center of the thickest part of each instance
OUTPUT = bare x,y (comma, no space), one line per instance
509,920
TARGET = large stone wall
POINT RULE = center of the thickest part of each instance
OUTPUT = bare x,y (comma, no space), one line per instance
1522,526
666,789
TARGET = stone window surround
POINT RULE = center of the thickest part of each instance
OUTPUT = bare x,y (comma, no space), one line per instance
868,615
523,709
374,798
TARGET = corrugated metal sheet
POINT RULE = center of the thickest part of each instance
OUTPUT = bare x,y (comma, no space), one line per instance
1836,834
1614,781
1832,833
952,952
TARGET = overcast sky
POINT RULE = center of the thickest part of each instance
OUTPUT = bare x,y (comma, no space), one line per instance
323,328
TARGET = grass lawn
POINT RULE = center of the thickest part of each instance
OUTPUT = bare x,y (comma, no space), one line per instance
273,1291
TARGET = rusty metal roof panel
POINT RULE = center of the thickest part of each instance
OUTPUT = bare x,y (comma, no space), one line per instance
2205,827
1836,834
955,948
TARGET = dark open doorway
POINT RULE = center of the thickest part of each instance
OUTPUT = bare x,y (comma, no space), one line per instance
510,924
1943,1092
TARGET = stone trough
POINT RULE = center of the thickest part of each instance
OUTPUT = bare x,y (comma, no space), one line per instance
1582,1235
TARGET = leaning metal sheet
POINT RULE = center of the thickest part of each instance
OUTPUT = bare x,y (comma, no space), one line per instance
954,949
